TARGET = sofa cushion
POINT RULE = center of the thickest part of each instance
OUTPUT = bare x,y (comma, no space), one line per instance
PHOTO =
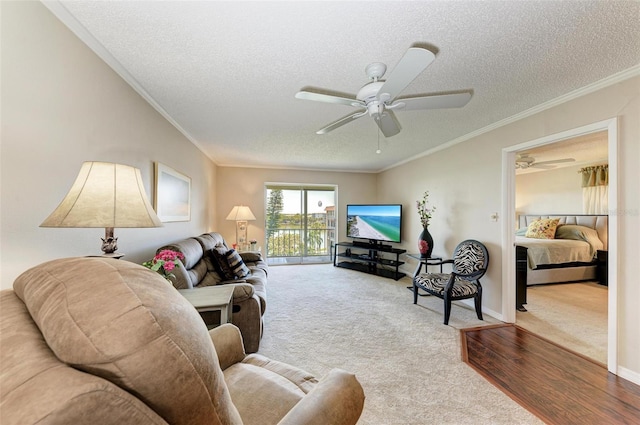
252,385
192,273
190,248
117,320
237,266
198,272
211,240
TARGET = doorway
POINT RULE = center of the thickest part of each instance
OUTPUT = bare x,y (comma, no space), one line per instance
509,223
300,223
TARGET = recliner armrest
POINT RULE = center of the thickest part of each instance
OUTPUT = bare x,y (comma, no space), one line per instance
227,340
337,399
242,290
251,256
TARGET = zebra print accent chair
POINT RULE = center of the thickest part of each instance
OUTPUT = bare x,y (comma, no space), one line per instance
469,264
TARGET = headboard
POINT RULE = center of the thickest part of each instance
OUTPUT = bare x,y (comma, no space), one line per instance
598,222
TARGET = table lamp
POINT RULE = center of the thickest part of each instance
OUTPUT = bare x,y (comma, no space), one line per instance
105,195
241,214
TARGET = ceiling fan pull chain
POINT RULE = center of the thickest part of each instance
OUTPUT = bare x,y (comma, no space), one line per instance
378,150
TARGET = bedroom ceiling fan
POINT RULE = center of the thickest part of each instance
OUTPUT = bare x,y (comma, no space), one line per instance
524,161
379,98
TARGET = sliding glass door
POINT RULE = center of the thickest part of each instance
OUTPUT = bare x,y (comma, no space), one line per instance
300,223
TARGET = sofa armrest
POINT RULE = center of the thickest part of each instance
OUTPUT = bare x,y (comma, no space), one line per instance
251,256
242,290
227,340
337,399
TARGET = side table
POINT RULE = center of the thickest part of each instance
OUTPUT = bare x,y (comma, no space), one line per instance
426,262
210,299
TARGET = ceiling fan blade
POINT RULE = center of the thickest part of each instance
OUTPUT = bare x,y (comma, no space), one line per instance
555,161
342,121
541,166
410,66
388,124
320,97
437,101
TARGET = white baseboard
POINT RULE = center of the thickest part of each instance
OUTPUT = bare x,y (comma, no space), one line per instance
492,313
629,375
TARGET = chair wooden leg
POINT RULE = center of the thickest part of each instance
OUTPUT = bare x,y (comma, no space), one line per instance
478,302
447,309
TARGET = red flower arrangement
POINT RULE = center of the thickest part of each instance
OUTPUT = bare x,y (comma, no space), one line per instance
165,262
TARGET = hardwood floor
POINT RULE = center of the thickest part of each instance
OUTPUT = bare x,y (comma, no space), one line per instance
555,384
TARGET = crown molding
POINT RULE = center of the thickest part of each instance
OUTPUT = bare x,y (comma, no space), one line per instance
634,71
63,14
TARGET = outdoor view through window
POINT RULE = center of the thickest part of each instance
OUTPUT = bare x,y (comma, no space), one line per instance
300,223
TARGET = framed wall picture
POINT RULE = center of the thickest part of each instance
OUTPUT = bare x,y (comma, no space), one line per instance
172,195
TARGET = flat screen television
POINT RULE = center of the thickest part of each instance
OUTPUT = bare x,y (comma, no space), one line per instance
375,222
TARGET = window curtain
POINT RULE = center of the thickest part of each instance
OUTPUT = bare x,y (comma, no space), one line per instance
595,189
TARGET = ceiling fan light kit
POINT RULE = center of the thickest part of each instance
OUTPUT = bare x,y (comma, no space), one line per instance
379,97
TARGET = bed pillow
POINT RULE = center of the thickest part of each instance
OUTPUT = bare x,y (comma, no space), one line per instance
543,229
521,231
580,233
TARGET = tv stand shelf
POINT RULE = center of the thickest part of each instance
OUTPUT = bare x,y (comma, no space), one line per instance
368,258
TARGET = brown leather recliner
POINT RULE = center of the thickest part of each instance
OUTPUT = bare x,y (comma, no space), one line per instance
95,340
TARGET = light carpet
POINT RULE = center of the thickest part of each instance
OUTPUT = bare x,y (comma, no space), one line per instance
573,315
319,317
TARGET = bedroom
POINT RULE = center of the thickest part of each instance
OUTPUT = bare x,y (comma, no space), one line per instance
555,188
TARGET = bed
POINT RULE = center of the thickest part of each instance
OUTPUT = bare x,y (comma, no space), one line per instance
574,254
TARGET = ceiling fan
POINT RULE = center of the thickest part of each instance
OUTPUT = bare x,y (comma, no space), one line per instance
379,98
524,160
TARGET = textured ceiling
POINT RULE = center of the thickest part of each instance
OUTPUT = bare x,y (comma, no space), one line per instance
226,73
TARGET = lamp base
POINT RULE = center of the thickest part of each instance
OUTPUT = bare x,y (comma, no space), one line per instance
109,242
241,233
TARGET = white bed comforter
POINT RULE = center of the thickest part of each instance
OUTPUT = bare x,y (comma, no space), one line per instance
555,251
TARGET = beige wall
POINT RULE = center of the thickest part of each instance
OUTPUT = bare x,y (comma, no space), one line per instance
245,186
466,186
61,106
556,191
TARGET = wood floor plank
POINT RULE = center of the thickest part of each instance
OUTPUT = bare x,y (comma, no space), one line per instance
527,346
555,384
571,380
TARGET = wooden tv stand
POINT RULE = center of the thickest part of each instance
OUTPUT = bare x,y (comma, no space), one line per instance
369,258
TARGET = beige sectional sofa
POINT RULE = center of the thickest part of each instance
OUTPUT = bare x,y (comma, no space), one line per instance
249,295
96,341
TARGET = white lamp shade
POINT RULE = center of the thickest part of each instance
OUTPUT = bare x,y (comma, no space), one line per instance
105,195
241,213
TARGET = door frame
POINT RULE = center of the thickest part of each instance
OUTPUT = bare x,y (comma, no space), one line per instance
509,223
303,188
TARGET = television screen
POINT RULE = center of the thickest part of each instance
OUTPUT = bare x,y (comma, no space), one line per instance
374,222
